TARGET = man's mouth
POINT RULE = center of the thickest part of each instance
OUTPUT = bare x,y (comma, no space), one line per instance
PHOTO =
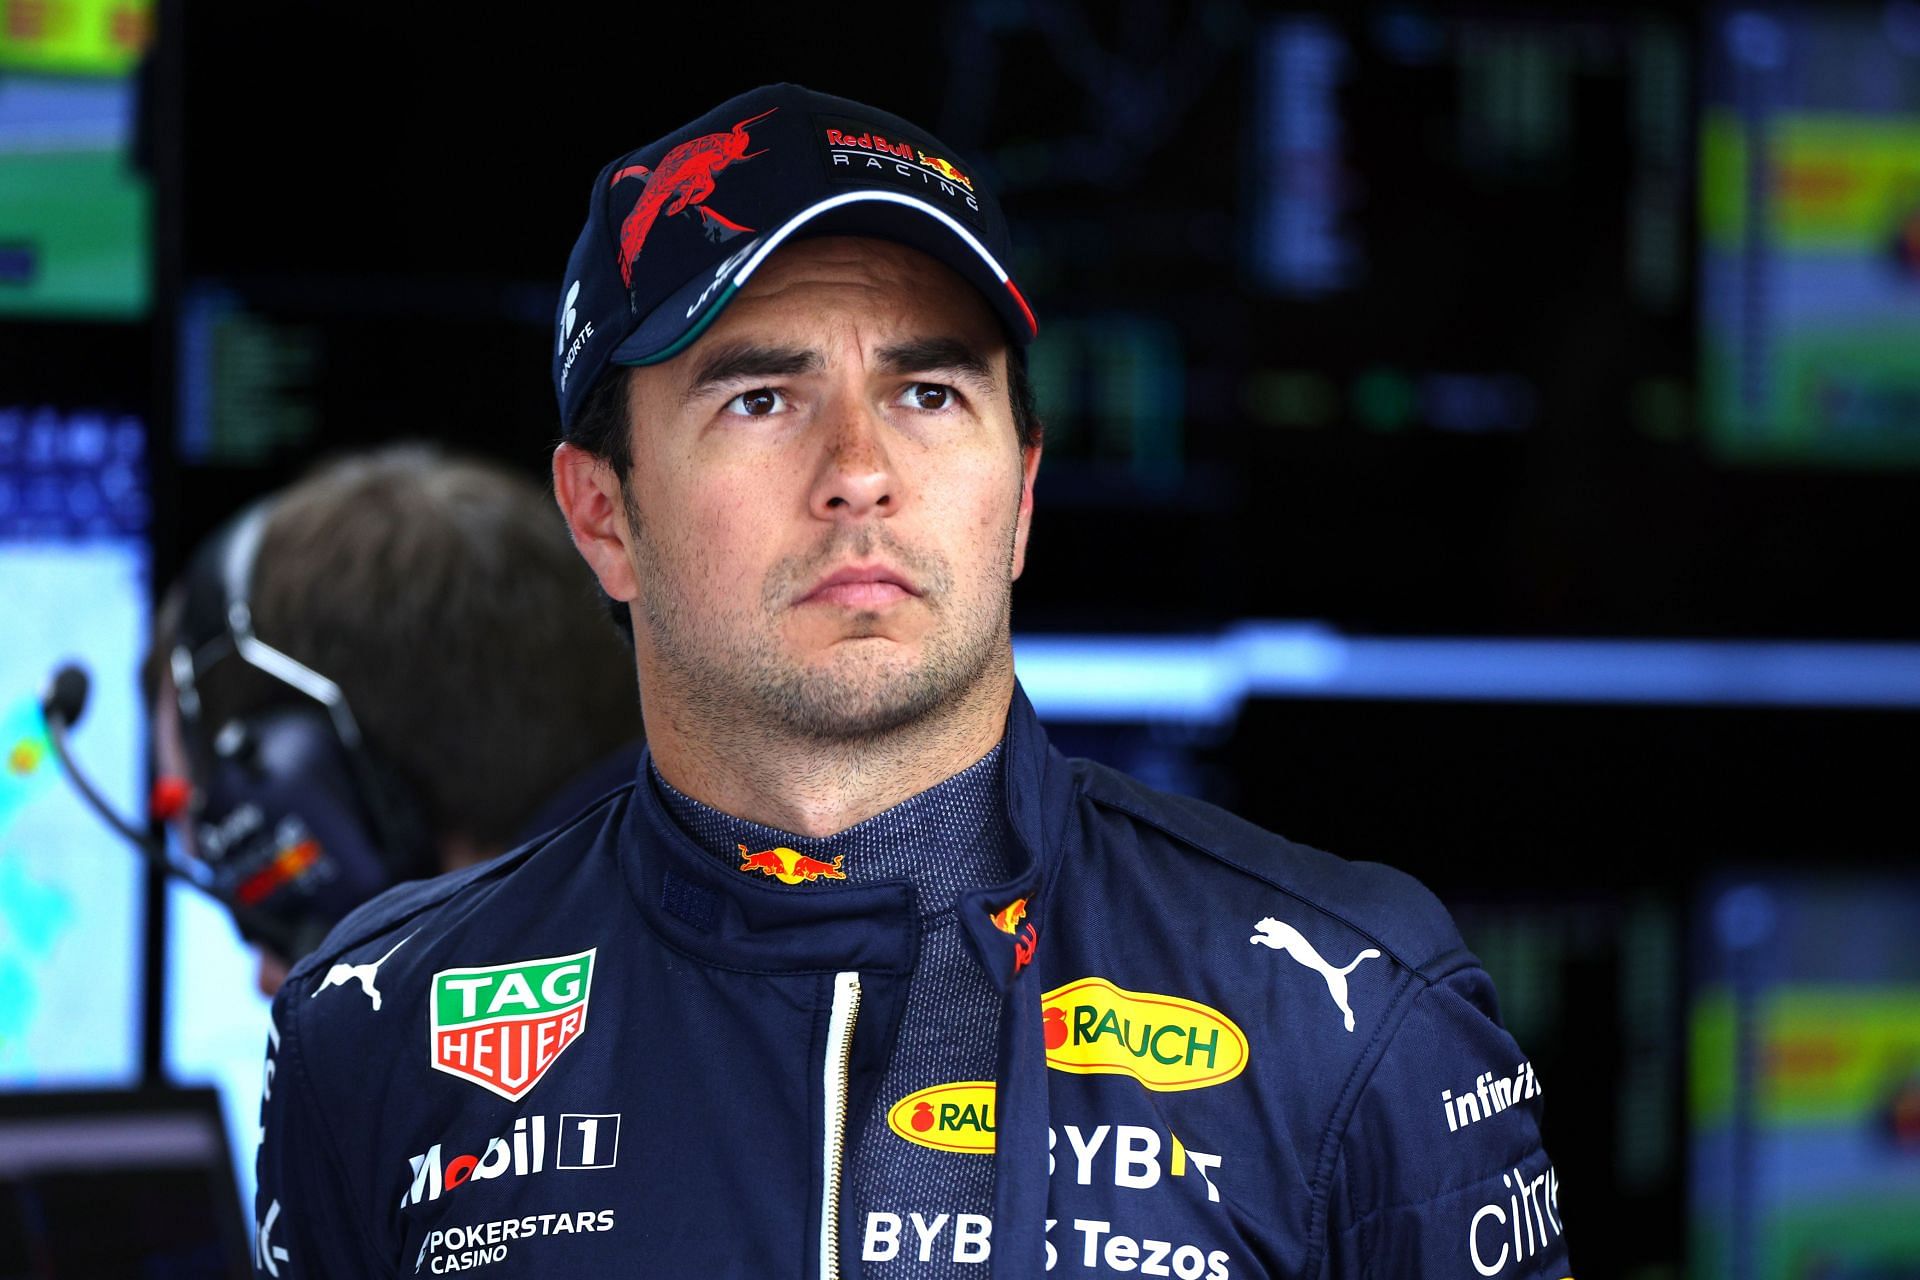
866,587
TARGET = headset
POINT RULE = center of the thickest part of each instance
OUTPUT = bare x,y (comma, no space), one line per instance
290,810
294,820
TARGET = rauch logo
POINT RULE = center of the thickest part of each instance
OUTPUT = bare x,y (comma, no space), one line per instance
502,1026
1095,1028
947,1117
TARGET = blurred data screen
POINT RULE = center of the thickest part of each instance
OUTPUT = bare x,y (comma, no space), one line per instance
73,583
1810,227
73,209
1805,1089
1412,319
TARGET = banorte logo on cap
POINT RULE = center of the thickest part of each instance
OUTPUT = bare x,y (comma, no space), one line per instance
683,180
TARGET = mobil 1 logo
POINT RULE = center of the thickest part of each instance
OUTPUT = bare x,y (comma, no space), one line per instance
534,1144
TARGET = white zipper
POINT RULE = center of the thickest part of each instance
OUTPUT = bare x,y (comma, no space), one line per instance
846,1011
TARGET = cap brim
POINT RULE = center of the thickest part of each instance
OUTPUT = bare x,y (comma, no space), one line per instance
677,323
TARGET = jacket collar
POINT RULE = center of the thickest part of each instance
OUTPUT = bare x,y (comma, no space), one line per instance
1003,922
747,923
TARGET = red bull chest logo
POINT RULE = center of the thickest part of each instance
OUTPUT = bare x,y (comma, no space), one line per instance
947,1117
503,1026
1092,1027
789,866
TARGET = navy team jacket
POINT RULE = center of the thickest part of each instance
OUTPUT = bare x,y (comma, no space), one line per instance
1222,1055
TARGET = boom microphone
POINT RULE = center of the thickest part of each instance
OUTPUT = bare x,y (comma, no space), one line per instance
66,696
63,703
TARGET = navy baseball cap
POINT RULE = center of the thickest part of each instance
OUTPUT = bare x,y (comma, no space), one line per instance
676,228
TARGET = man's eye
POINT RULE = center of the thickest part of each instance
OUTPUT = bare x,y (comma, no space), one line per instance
931,396
757,403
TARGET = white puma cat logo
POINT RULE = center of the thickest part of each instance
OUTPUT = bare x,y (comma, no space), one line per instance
341,974
1284,937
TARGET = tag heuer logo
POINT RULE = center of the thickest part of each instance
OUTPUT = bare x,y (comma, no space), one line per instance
501,1026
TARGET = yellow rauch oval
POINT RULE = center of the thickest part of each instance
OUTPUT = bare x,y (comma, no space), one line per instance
947,1117
1095,1028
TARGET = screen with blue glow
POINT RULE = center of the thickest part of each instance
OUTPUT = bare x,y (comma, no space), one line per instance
73,575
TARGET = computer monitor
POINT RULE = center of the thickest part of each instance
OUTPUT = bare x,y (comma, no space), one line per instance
73,579
1804,1059
118,1184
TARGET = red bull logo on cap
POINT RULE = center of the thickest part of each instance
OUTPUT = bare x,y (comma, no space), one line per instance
945,169
789,866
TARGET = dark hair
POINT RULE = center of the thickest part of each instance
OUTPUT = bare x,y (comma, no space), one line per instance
443,596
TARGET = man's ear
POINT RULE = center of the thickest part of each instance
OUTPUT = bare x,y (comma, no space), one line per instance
596,514
1029,468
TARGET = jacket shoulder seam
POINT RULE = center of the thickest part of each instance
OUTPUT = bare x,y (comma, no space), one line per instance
456,884
1320,1229
1164,829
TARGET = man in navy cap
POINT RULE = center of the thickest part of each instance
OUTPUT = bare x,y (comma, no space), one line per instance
859,977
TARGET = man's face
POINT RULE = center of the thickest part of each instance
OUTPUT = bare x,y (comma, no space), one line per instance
828,502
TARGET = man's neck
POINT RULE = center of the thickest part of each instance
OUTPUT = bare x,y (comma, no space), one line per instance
752,769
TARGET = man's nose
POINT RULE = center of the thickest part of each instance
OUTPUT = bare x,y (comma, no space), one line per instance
857,477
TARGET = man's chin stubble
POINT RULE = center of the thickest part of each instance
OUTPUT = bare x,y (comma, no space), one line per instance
844,708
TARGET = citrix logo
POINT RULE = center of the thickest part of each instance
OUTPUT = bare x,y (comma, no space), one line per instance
1535,1204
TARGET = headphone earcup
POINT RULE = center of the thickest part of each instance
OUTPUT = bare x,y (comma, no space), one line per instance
284,827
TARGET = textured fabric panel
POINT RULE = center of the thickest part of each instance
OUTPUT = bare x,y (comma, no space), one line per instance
949,1033
949,838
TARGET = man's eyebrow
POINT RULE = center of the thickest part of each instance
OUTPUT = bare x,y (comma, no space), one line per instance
944,355
733,363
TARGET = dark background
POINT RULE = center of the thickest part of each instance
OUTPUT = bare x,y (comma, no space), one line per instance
395,195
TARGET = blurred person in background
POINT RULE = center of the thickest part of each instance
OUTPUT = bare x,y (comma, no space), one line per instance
393,668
